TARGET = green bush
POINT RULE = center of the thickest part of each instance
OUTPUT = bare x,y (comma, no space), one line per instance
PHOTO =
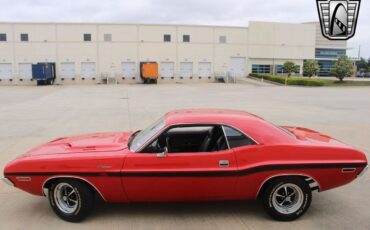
290,80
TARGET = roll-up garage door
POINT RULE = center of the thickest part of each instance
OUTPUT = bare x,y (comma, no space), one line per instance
88,69
128,69
237,67
186,69
204,69
25,70
67,70
167,69
5,71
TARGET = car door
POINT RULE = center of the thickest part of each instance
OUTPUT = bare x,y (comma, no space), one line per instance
180,176
248,154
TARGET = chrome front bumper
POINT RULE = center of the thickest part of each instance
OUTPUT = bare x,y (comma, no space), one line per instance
7,181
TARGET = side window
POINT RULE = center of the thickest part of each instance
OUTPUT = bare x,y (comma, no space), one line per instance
189,139
236,139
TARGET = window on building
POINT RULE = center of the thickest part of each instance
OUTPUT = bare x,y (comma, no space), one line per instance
107,37
2,37
186,38
279,69
87,37
24,37
261,68
167,38
222,39
297,69
325,67
329,53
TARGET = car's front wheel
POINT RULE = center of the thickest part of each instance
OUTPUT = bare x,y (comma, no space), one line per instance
71,200
287,198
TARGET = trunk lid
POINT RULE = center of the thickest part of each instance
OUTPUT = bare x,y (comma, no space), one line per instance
313,137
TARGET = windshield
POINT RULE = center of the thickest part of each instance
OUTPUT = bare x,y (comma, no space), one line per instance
142,137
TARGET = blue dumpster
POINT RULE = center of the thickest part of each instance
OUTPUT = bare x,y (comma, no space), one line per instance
43,73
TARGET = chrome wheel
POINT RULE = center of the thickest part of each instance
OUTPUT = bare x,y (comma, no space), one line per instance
66,198
287,198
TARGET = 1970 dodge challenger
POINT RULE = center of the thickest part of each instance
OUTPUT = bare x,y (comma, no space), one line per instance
189,155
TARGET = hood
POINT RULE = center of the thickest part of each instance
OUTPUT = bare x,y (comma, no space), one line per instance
99,142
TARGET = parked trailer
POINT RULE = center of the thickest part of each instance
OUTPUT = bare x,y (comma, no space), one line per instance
149,72
43,73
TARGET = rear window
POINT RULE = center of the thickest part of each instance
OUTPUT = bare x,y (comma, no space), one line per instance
236,138
286,131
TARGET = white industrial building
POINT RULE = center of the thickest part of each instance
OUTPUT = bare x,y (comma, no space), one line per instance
88,53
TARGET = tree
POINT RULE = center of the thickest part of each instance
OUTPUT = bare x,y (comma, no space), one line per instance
362,64
310,68
289,68
342,68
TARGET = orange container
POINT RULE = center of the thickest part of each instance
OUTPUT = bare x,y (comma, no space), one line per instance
149,70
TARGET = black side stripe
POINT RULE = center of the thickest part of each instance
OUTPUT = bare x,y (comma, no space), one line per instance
223,173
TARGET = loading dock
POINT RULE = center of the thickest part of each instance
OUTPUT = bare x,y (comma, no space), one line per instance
186,69
204,69
67,70
25,71
88,70
128,70
167,70
5,71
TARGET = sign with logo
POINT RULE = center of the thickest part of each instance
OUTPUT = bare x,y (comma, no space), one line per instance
338,18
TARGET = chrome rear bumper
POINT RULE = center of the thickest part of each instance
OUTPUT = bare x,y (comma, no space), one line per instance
7,181
363,171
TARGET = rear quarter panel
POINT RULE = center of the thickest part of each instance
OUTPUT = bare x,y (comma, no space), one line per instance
259,163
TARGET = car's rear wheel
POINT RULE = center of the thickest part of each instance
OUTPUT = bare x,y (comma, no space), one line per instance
287,198
71,200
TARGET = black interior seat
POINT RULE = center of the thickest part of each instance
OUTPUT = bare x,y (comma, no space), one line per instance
204,147
221,143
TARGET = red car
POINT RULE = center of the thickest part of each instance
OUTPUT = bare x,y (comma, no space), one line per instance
189,155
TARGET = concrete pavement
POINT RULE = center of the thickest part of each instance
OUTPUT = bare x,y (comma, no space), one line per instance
32,115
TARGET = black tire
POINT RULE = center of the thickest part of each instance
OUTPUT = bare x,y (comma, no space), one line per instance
290,205
83,194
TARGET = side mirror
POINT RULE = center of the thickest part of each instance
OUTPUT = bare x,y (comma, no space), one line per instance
164,153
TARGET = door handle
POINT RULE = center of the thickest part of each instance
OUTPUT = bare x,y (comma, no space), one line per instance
223,163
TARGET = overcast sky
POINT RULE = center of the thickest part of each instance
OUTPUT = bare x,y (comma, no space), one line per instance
208,12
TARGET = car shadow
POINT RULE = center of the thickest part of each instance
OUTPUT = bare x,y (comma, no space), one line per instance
252,209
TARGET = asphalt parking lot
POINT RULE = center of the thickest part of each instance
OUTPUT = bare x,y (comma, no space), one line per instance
33,115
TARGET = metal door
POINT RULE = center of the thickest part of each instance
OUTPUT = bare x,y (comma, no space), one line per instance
167,69
237,66
128,69
67,70
25,70
204,69
186,69
88,69
5,71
